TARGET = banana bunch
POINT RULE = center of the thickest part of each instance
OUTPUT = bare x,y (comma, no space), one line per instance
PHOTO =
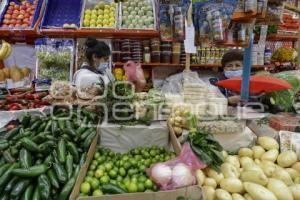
5,50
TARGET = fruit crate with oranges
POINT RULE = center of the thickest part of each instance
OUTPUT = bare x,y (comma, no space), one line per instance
20,15
101,14
62,14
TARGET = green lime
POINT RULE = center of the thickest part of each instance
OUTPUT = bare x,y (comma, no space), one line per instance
134,180
119,178
167,158
111,154
152,153
154,160
141,187
132,172
90,173
146,154
99,173
101,167
162,150
157,157
100,159
113,182
92,167
122,171
133,163
121,163
85,188
108,166
104,180
125,158
127,165
147,163
132,187
97,155
148,184
142,179
126,183
88,179
97,193
95,162
95,183
142,168
112,174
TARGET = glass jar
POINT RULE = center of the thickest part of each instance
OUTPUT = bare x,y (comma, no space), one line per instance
147,55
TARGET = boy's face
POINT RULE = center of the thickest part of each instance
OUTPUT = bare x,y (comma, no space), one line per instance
233,65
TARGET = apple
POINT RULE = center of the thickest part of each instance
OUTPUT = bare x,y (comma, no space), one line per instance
22,12
32,12
6,21
23,3
16,7
21,17
26,15
28,10
12,3
23,7
19,21
27,4
9,12
14,16
11,26
16,12
31,18
13,21
11,8
26,20
7,16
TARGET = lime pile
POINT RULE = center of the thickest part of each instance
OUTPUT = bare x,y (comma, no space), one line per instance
115,173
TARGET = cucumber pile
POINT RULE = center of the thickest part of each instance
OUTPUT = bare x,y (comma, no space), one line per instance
41,157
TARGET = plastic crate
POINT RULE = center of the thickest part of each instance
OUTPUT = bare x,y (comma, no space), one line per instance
35,16
90,4
58,13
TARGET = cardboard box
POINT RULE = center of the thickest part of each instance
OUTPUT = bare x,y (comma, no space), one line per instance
193,192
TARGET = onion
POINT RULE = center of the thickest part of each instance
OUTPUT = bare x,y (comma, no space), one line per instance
182,175
161,174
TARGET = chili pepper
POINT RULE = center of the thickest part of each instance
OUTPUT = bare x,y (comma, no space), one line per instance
73,150
61,124
30,145
87,142
3,168
48,126
32,171
42,127
25,158
10,184
7,175
3,145
19,188
8,157
61,151
26,120
36,194
53,179
27,195
69,165
60,172
44,186
64,194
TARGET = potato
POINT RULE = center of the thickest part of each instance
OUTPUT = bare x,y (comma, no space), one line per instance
245,152
236,196
229,171
234,160
297,180
253,167
200,177
268,143
287,158
209,193
215,175
232,185
296,166
223,195
210,182
247,196
258,192
254,177
257,161
279,189
282,175
246,161
292,172
270,155
295,189
268,167
258,151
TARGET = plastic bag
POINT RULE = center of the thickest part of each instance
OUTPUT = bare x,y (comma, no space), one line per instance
135,74
177,173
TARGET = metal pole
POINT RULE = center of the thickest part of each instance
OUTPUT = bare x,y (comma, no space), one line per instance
247,63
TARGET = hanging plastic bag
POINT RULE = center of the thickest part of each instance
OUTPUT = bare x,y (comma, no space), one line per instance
135,74
176,173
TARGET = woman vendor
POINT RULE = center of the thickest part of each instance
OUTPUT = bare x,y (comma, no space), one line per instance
232,66
95,72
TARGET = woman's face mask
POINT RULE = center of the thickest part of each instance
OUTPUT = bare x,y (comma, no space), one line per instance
103,64
231,74
233,69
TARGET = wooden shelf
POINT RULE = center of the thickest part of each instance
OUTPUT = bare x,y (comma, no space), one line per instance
151,65
241,16
104,33
278,37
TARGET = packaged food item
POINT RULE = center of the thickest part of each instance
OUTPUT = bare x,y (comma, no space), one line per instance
166,57
147,55
178,24
223,126
155,56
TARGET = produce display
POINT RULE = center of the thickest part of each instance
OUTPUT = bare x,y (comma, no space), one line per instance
23,101
258,173
19,15
115,173
284,54
178,119
15,73
41,157
102,15
5,50
138,14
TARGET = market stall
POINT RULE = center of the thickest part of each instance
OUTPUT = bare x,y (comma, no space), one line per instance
149,99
